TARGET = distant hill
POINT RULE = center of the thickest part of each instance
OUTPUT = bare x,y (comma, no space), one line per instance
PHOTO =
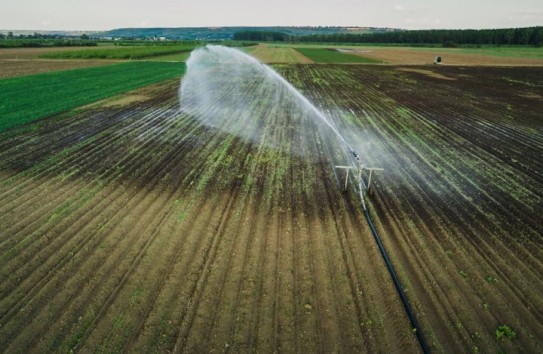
49,33
227,33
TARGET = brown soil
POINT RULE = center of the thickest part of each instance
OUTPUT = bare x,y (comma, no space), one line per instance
22,67
134,228
429,73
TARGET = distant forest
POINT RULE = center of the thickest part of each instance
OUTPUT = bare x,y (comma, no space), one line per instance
267,36
10,40
447,38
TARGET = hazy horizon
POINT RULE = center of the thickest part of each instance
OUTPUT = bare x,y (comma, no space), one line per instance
100,15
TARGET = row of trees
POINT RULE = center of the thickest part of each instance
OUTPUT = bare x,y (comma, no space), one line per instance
10,40
509,36
448,38
262,36
37,35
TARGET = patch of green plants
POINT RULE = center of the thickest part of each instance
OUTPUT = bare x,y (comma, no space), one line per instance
504,331
332,56
28,98
491,280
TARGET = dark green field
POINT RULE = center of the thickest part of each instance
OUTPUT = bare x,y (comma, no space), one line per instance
28,98
137,52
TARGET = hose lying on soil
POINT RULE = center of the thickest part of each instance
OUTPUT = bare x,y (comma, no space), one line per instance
407,307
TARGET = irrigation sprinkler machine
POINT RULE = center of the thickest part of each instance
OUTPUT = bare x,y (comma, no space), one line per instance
357,169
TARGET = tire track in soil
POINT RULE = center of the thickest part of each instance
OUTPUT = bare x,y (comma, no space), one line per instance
243,331
235,315
203,273
309,330
142,323
211,331
314,214
170,300
194,252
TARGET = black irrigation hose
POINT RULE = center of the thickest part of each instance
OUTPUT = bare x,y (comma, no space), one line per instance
406,305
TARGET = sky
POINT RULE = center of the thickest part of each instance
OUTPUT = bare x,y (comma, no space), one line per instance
407,14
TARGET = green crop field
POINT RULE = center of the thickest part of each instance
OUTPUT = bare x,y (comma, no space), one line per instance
323,55
229,210
29,98
172,57
137,52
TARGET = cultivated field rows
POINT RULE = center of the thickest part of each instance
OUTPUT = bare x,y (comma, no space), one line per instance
459,203
137,228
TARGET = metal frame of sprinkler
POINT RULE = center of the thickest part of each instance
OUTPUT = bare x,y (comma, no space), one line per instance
357,172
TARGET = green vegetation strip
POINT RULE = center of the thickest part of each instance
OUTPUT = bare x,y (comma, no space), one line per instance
332,56
137,52
28,98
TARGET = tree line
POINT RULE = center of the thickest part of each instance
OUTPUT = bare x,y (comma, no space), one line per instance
262,36
10,40
448,38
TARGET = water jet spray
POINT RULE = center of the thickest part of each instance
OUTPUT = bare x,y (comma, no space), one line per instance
231,91
225,89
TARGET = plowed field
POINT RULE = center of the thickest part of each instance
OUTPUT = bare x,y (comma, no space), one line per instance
136,228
